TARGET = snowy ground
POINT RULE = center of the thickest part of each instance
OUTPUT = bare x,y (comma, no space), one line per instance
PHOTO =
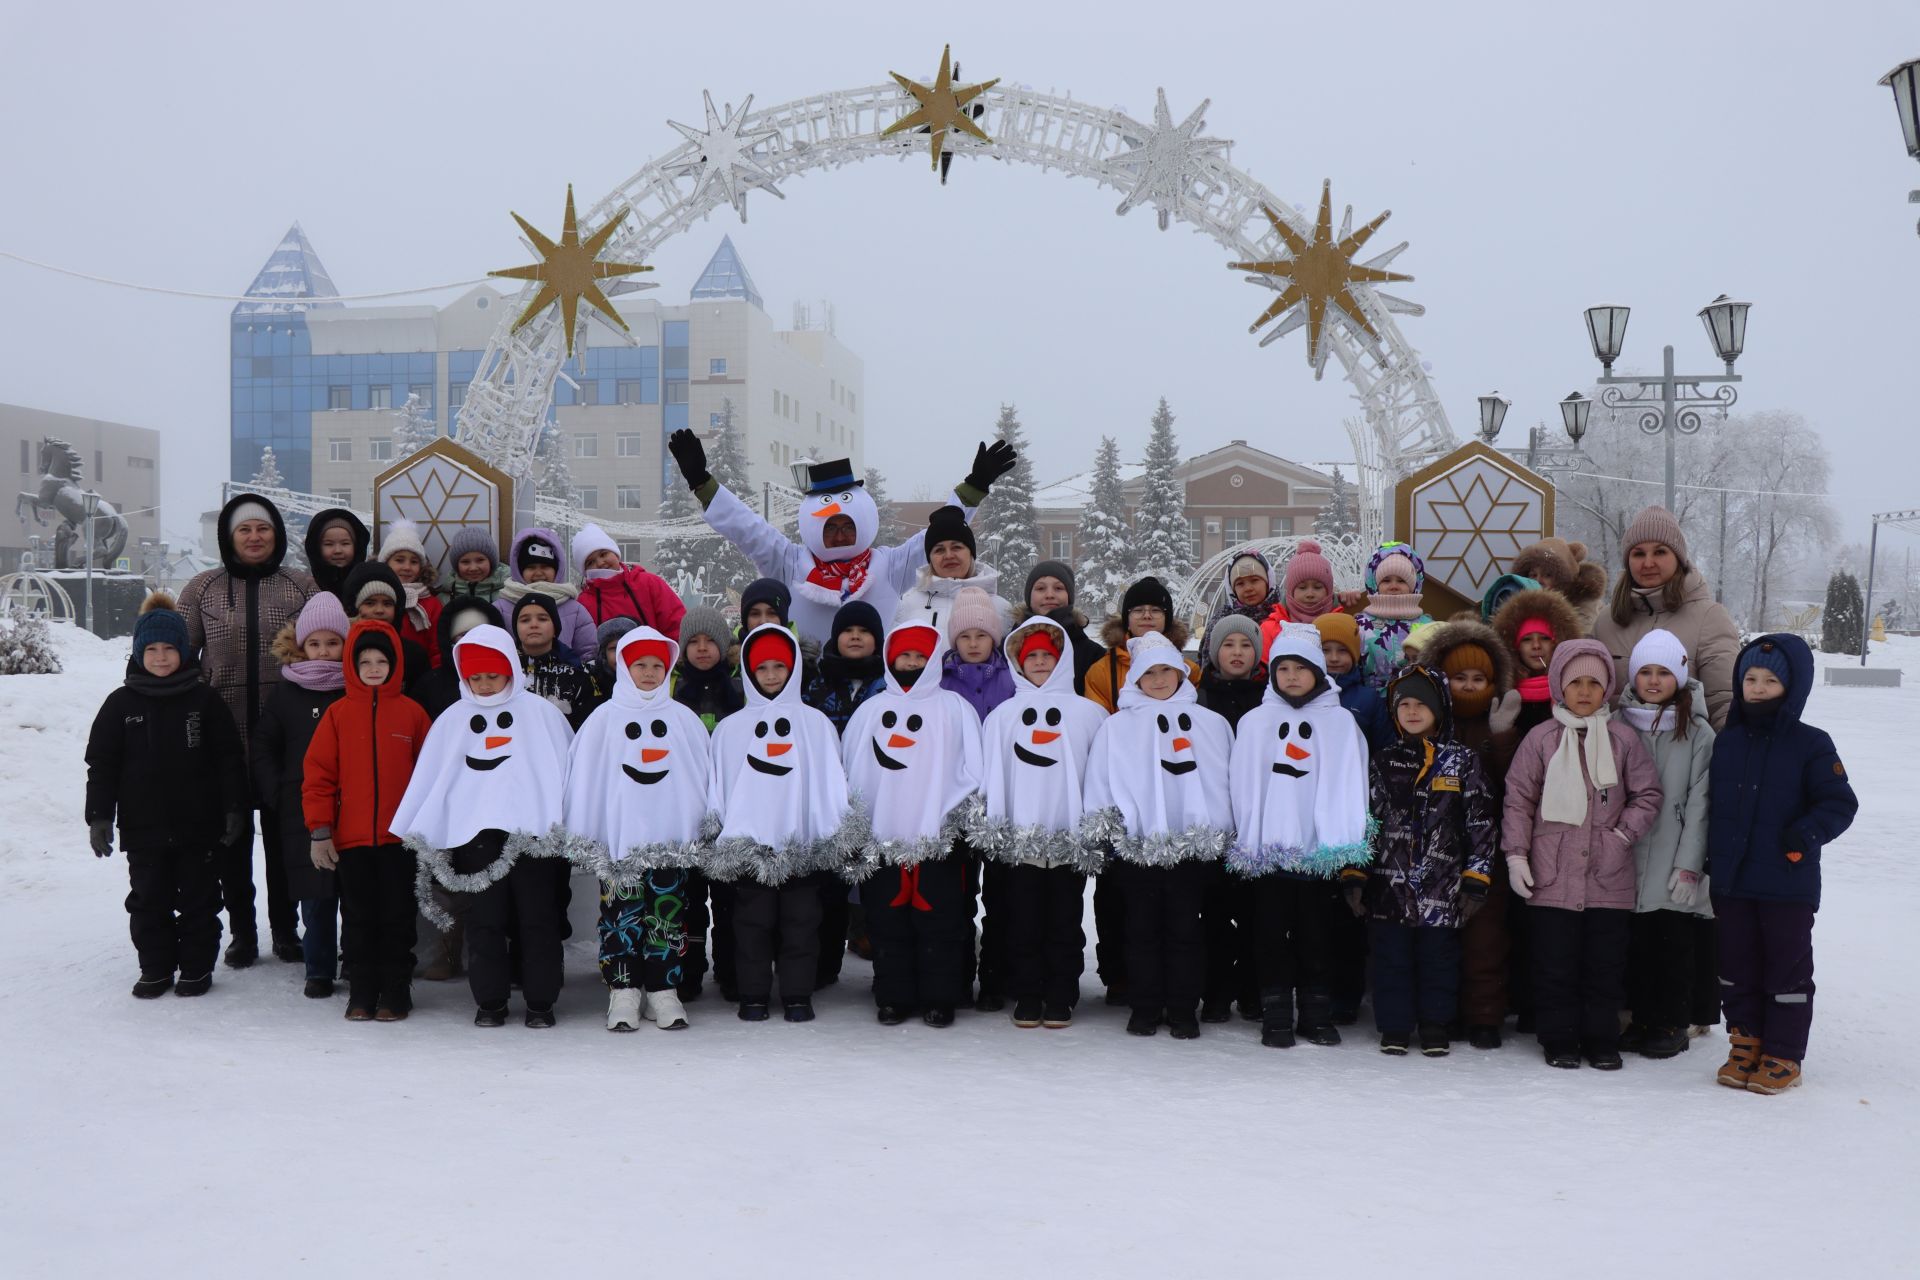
255,1129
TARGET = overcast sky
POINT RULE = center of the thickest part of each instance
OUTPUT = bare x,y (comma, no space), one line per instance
1540,159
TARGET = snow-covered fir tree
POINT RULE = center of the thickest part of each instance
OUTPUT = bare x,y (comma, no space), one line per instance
414,430
1341,516
1105,538
888,530
682,560
728,568
26,645
267,474
556,469
1162,544
1008,533
1841,622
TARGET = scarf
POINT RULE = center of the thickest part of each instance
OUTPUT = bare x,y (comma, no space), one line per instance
835,582
1648,719
1534,689
1563,796
314,675
1299,613
1395,608
416,613
185,679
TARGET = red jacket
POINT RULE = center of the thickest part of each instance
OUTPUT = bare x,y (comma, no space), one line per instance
362,754
635,593
426,637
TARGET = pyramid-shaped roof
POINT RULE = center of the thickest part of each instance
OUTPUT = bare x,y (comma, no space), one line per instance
726,277
291,280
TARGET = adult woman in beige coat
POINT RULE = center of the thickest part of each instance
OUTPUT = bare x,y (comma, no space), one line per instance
1661,588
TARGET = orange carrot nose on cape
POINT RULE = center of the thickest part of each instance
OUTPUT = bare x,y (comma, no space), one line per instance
1295,753
1041,737
1181,744
779,748
497,742
899,740
649,755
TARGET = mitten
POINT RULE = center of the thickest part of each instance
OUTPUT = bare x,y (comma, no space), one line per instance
990,462
1506,712
1520,875
690,456
1684,887
235,830
323,855
100,836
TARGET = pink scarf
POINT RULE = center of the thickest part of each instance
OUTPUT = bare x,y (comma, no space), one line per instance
1300,613
1395,608
316,675
1534,689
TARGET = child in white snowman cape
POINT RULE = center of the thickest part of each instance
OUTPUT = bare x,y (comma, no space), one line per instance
637,788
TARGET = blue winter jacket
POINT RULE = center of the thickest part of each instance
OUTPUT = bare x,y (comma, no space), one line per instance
1368,707
1776,789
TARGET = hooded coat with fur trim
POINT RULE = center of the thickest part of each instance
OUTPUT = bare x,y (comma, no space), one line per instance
1560,565
1108,675
1552,608
278,759
1494,734
576,624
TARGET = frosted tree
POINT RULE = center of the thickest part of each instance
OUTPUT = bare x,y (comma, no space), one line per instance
26,645
415,428
1005,527
1842,623
267,475
556,470
682,558
1340,518
1105,539
728,567
888,531
1163,545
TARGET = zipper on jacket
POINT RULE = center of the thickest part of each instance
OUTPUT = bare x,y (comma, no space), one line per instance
373,732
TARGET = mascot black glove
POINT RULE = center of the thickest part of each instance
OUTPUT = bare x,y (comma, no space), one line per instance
990,462
691,457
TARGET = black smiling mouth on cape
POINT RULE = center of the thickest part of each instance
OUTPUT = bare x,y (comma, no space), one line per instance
483,765
766,767
644,779
1025,756
1178,767
886,761
1286,770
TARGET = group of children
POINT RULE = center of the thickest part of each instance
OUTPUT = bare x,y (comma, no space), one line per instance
1480,816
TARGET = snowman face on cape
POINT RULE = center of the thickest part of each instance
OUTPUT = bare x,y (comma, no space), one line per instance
896,735
1176,743
773,737
855,503
1033,743
493,734
648,753
1296,748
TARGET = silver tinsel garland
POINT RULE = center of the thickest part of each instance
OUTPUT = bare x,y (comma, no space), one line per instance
629,870
740,858
875,854
1033,845
1106,829
433,865
1320,861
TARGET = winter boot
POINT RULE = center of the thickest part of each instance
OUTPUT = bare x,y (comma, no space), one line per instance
1219,1009
242,952
1185,1026
1056,1016
623,1009
1435,1042
1774,1075
1026,1012
1564,1056
153,984
1743,1058
752,1011
392,1012
1601,1059
1316,1017
318,989
1484,1037
286,948
490,1017
1395,1043
359,1012
1117,994
1276,1020
801,1010
1661,1042
1634,1038
989,1001
665,1010
1142,1022
938,1015
539,1019
445,965
892,1015
193,986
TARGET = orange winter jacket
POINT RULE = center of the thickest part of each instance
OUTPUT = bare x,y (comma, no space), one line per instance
363,752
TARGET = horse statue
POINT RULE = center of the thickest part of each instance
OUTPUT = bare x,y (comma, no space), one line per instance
60,490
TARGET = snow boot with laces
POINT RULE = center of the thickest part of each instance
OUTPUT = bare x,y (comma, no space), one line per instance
1743,1058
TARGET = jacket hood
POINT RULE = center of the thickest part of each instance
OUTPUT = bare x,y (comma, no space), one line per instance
537,534
443,629
927,683
984,576
628,694
1799,663
796,678
491,636
1630,697
1565,653
1549,606
1443,638
225,537
327,576
1582,581
1060,679
356,688
1397,549
1443,730
1113,632
1148,652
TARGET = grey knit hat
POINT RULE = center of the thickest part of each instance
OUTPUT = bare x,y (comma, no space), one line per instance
612,629
1234,624
472,537
704,621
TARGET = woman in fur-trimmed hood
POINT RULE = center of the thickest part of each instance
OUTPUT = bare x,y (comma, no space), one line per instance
1532,613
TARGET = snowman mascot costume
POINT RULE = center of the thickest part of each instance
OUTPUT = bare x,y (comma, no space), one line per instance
836,560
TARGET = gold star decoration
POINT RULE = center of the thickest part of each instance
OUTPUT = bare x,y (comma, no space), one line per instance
942,107
569,271
1320,274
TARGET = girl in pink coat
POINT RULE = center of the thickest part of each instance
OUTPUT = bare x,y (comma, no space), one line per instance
1581,792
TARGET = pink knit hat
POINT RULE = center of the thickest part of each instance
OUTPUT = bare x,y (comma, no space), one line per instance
1575,658
1306,565
1655,524
322,613
974,608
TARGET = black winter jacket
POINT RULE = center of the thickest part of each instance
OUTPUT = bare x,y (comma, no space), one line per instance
165,761
1232,698
279,758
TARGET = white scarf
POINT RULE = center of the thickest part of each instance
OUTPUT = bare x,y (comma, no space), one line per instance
778,786
1299,775
1034,750
416,612
1647,719
1156,789
497,763
639,774
1563,796
913,762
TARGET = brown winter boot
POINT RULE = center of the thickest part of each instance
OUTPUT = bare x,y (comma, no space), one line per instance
445,965
1774,1075
1743,1056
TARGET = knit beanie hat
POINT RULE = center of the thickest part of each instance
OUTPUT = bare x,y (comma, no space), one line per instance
1248,565
371,578
974,609
1147,591
468,612
1655,524
483,660
1340,629
1416,683
1233,624
473,537
1660,648
708,622
375,639
949,524
1051,569
538,551
371,586
1395,561
912,638
590,539
1038,638
1463,657
768,648
1578,658
765,591
535,600
1307,565
401,535
248,511
160,623
854,613
613,629
1768,656
321,613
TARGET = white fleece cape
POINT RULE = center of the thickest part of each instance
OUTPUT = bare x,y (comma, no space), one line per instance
1034,749
1156,790
1299,776
913,762
778,786
639,775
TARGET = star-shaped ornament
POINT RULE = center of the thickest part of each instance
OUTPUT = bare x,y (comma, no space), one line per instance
726,160
1320,273
1168,161
569,271
942,109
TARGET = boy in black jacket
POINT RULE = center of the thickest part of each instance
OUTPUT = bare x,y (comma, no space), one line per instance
849,672
1233,683
164,757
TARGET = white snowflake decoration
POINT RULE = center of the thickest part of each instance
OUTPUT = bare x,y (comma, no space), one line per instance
726,160
1170,160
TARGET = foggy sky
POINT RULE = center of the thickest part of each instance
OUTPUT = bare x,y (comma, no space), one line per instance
1540,159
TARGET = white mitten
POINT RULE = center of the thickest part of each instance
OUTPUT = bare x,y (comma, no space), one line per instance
1684,887
1520,875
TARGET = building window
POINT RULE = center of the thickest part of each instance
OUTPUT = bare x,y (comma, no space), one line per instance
852,403
676,392
379,396
630,552
1239,529
586,446
1061,546
380,449
817,421
1196,539
717,367
627,497
590,391
339,450
1280,526
456,395
627,392
588,496
339,397
423,392
26,458
137,464
342,496
629,444
776,403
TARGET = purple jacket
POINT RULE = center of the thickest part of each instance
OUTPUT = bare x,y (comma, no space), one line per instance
985,685
576,624
1590,865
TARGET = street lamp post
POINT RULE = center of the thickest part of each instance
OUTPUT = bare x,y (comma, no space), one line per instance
1670,402
1904,80
1540,456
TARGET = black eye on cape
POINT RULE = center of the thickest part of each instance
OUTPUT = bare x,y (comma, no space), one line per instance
1164,726
1285,729
914,723
633,730
478,724
1186,722
1029,716
888,719
1306,731
659,728
506,720
760,730
782,727
1053,716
